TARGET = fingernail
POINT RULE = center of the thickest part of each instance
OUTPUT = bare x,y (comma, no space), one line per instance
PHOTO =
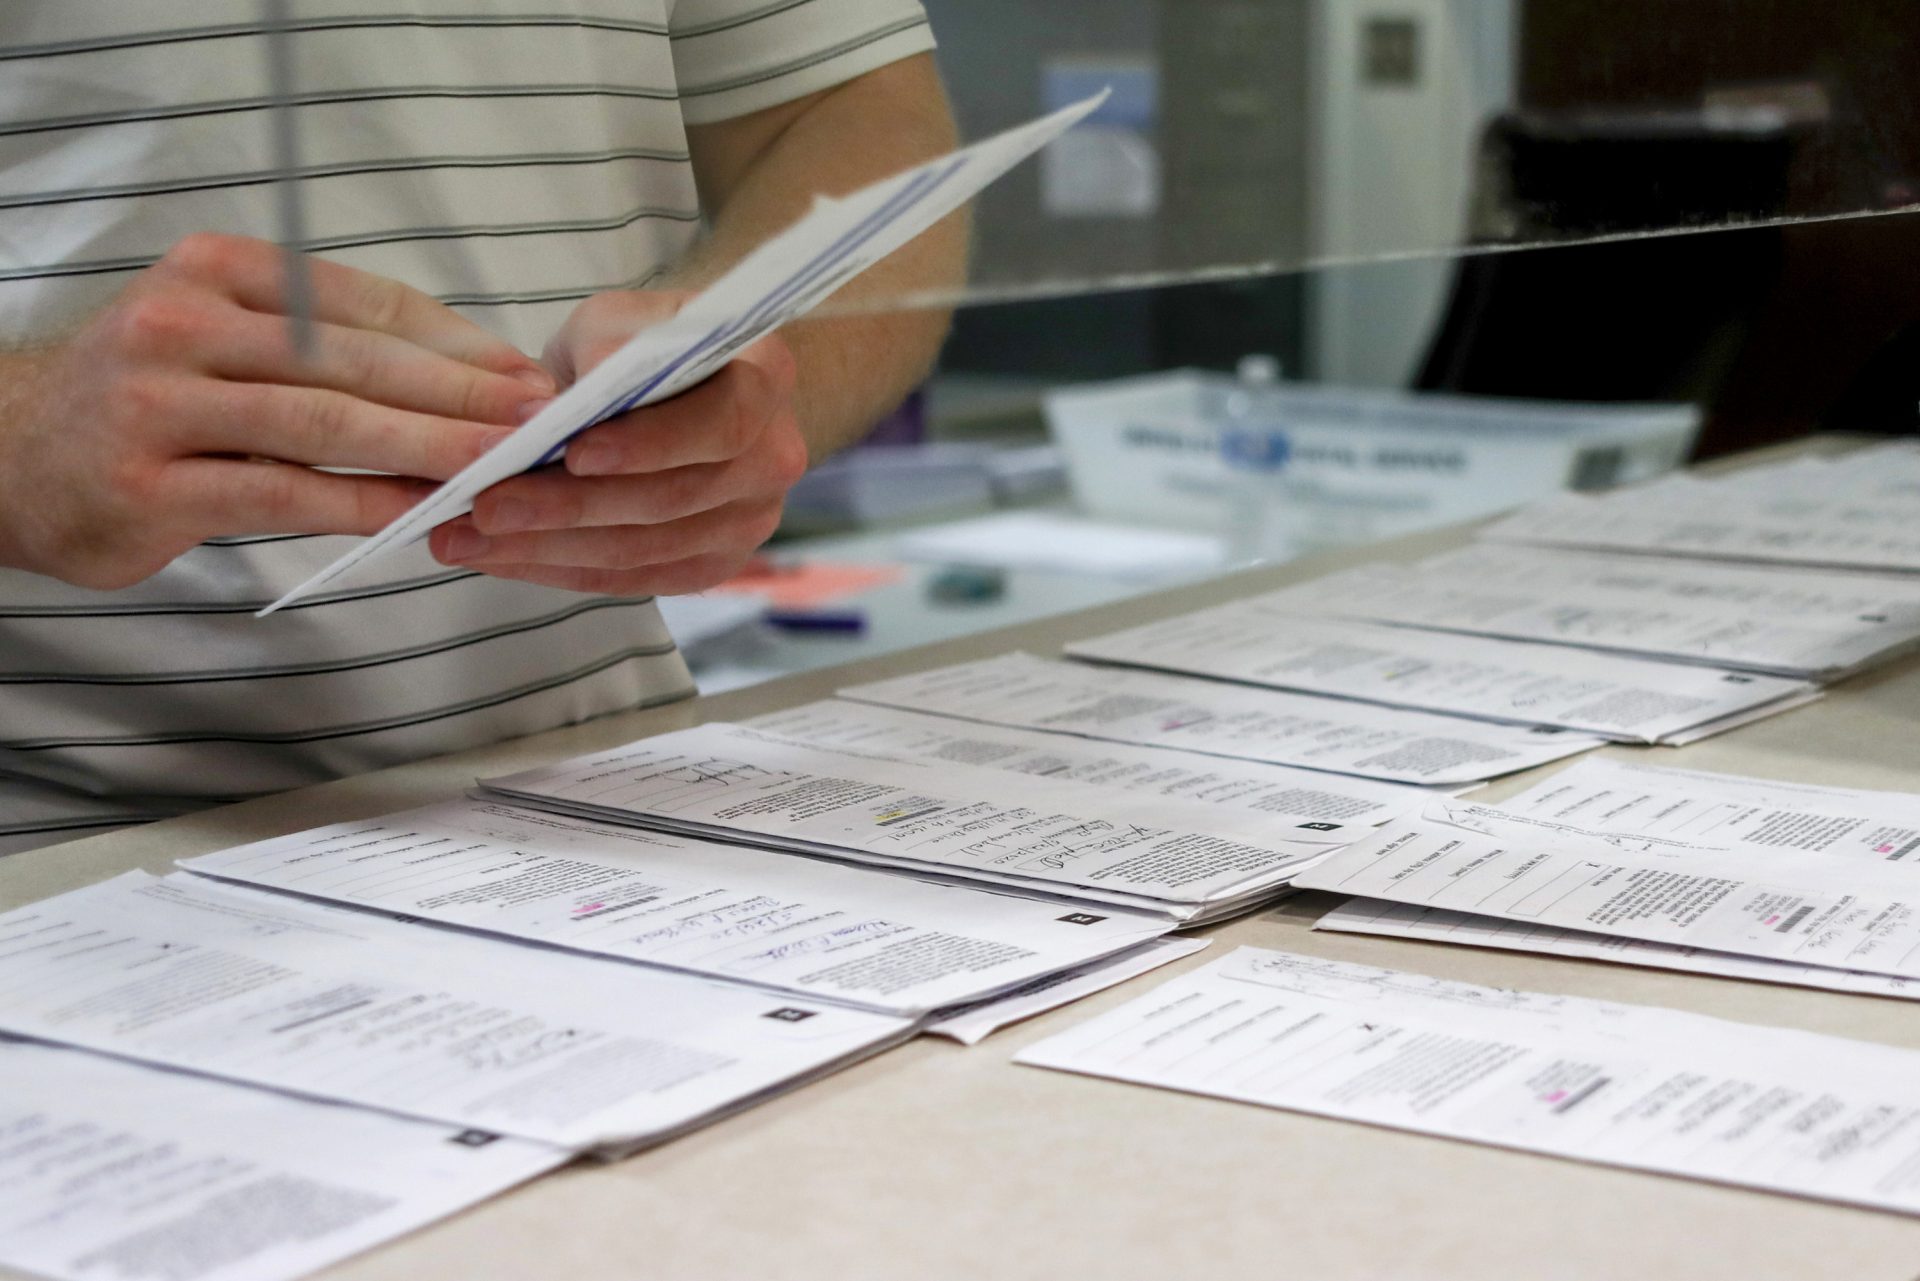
591,460
526,412
491,440
465,544
538,379
510,515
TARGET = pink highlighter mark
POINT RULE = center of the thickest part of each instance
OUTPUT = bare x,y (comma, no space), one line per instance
1771,919
587,907
1555,1097
1883,849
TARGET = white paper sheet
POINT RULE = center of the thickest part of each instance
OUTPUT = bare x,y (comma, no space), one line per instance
570,1050
859,937
1284,794
1047,837
1628,699
972,1024
1786,622
1152,710
110,1171
781,279
1614,797
1634,1086
1727,810
1436,925
1810,909
1827,523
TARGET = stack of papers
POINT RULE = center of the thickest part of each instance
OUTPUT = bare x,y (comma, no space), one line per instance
885,943
1859,512
1791,623
784,277
1775,895
1287,796
1151,710
115,1170
1626,1085
1640,807
1073,843
971,1024
571,1051
1628,699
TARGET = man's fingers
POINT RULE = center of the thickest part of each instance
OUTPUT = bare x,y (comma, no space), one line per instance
603,323
331,429
741,526
275,498
694,574
554,500
710,423
252,273
372,366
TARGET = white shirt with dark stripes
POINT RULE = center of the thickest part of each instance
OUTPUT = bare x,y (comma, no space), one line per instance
508,156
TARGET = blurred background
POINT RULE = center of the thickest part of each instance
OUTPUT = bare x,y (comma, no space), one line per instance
1322,272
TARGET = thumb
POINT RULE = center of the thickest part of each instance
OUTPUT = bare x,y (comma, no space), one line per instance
602,325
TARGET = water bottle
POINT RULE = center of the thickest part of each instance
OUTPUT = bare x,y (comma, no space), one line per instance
1255,449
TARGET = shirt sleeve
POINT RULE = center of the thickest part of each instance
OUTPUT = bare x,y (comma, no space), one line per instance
732,57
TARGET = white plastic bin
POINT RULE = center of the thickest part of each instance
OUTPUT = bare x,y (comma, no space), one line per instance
1366,464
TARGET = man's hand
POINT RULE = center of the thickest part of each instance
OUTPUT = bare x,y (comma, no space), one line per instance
667,499
172,415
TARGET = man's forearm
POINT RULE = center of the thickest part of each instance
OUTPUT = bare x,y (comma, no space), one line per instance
758,175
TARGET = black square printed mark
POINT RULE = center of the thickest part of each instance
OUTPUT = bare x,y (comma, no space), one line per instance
1321,827
474,1138
1080,918
787,1014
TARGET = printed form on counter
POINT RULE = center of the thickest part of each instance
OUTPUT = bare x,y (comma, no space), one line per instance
574,1051
112,1169
1052,838
1835,523
1630,699
1153,710
1641,1087
972,1024
1794,623
1784,905
824,930
1284,793
1606,798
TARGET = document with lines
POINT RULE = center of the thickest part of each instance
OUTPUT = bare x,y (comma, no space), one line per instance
1614,798
1830,520
1810,909
1282,792
575,1051
781,279
1153,710
859,937
1438,925
972,1024
1047,837
1630,699
1797,623
1636,1086
1728,810
112,1169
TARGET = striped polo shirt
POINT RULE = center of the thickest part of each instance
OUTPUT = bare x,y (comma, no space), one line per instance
510,157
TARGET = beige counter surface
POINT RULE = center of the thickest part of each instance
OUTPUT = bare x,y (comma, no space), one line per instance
934,1162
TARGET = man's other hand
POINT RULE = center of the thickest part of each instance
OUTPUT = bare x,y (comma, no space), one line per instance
667,499
181,413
